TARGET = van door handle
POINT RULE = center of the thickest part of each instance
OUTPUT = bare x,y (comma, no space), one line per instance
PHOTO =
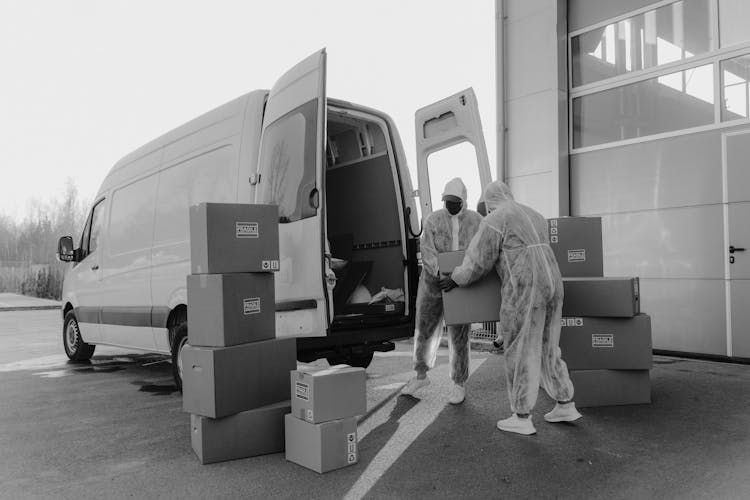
95,267
733,249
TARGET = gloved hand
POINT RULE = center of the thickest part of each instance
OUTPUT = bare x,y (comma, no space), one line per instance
446,283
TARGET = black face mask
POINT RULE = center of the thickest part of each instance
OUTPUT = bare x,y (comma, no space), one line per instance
453,207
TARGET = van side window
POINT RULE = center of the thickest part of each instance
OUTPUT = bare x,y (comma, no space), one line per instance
209,177
287,163
92,229
131,218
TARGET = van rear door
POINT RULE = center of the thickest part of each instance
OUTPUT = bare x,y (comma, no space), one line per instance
449,122
290,175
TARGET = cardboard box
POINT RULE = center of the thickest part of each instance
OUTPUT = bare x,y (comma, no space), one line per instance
601,297
233,238
607,343
577,245
610,387
230,309
321,447
477,303
330,394
222,381
246,434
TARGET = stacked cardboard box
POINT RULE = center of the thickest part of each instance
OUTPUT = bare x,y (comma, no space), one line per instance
235,372
605,340
321,431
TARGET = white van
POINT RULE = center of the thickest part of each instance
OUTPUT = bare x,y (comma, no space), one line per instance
338,174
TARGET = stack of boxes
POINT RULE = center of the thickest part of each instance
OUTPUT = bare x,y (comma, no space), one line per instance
321,431
235,372
605,340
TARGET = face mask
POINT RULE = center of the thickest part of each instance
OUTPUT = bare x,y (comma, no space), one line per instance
453,207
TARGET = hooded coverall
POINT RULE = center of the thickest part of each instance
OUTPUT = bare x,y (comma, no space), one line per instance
513,239
443,232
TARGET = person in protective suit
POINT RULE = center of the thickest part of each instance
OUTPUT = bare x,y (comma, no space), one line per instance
513,240
445,230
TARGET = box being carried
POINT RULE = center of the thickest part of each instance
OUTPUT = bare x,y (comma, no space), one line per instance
477,303
234,238
602,297
331,394
230,309
610,387
321,447
577,245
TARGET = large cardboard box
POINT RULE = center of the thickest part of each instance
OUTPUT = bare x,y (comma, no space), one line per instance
230,309
477,303
577,245
321,447
610,387
246,434
607,343
221,381
329,394
601,297
233,238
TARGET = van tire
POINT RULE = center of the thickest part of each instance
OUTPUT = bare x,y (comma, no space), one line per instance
179,339
357,360
75,348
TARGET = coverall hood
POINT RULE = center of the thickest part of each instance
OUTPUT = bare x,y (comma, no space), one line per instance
495,193
455,187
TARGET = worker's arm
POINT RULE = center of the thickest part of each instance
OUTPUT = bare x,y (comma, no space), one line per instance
481,255
427,248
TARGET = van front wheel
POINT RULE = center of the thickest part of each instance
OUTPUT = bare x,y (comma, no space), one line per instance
75,348
179,339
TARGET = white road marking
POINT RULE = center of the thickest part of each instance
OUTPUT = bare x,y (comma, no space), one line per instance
53,374
52,361
396,385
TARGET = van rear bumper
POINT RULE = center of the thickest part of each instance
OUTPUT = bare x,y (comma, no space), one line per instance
356,341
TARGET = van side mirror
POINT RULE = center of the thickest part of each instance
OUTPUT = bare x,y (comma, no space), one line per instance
65,250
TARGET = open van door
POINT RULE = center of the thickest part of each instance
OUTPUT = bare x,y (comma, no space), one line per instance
291,175
439,126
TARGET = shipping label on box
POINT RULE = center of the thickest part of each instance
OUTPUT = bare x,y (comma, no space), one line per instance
610,387
577,245
321,447
601,297
607,343
477,303
222,381
230,309
329,394
234,238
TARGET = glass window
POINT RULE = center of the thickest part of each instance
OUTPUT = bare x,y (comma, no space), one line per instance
210,177
670,33
131,220
735,92
456,161
96,226
671,102
733,22
288,163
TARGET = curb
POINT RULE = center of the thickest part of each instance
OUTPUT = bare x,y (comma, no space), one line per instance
29,308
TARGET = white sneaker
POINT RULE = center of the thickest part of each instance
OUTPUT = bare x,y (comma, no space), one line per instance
458,394
563,413
414,385
518,425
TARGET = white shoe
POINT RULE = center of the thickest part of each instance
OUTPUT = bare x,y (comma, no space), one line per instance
414,385
458,394
563,413
518,425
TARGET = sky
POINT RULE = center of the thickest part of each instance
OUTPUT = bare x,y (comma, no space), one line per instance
85,82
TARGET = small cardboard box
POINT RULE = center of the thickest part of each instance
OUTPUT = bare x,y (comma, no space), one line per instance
246,434
330,394
577,245
230,309
477,303
607,343
234,238
601,297
610,387
321,447
221,381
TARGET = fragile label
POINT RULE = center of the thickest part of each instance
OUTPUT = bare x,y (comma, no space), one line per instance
251,306
578,255
553,239
553,230
571,322
301,391
309,414
553,223
602,340
270,265
246,229
351,442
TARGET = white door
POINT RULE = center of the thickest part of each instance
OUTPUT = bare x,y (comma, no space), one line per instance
290,168
439,126
86,276
737,241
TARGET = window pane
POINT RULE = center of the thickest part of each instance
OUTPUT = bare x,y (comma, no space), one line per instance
671,102
733,21
131,221
671,33
456,161
735,75
96,226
